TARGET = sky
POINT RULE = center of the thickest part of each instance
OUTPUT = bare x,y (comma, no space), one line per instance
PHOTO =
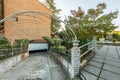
67,5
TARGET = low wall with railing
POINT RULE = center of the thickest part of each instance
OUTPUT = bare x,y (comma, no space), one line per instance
65,64
8,63
73,67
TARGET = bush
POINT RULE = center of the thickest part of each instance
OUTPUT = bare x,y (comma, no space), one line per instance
23,41
49,40
3,41
114,40
83,42
5,46
116,36
57,42
59,49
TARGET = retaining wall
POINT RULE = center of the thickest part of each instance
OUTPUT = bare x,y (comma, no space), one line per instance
10,62
66,65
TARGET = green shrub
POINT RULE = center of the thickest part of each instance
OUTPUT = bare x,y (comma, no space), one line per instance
3,41
5,46
83,42
57,42
49,40
59,49
116,36
23,41
114,40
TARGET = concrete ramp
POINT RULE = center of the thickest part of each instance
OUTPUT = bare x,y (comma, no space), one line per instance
36,67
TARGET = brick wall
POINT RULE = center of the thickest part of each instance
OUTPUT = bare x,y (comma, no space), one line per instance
29,27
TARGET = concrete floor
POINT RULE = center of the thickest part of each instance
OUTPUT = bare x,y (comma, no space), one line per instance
105,65
36,67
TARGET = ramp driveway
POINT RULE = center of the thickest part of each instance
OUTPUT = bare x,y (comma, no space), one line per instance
37,67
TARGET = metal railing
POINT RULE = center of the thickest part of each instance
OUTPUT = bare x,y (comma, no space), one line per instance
90,48
8,50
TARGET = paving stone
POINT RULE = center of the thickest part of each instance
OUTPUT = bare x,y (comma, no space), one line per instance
110,62
112,52
94,63
104,49
112,55
98,59
92,69
109,75
111,68
113,59
100,56
89,76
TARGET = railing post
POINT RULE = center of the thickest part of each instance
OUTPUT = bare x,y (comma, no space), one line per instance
21,47
94,44
75,58
12,49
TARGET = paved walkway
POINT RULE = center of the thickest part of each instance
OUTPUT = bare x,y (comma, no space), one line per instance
105,65
36,67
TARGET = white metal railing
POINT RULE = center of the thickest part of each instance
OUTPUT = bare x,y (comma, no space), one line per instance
85,45
9,50
86,52
91,48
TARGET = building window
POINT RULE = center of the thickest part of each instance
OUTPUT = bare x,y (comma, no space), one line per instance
15,19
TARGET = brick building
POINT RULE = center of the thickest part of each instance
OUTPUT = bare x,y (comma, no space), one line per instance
32,27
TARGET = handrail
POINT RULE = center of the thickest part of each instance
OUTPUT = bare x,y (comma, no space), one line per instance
9,49
86,52
85,45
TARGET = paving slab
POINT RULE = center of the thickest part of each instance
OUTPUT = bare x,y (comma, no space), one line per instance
109,75
96,64
98,59
105,65
111,68
102,56
89,76
113,59
113,63
92,69
104,49
112,52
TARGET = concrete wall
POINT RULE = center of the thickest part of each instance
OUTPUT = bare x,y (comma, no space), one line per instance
66,65
10,62
33,28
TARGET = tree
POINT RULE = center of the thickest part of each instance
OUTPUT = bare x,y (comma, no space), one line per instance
94,22
55,25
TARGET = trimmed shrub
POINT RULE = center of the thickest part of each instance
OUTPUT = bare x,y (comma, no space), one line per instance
49,40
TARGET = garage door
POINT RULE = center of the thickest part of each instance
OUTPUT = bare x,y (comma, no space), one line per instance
37,46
